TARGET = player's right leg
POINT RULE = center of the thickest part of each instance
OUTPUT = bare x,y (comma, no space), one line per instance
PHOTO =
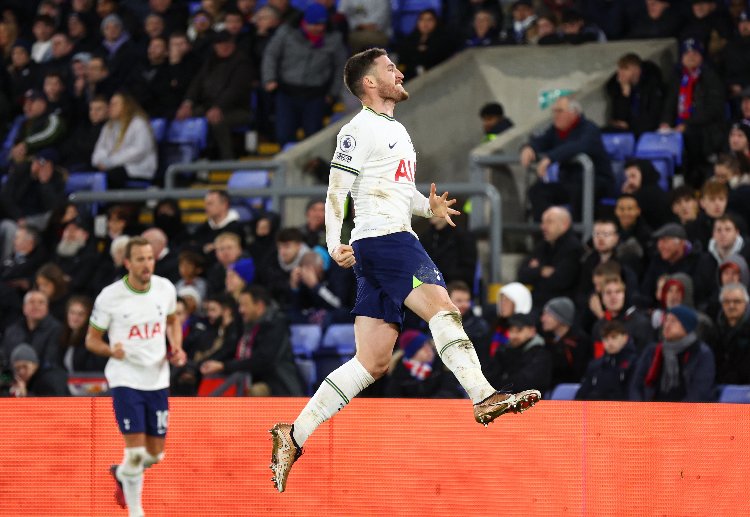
375,339
432,303
129,411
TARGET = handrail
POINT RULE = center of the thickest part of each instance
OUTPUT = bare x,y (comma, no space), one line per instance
278,167
495,229
587,211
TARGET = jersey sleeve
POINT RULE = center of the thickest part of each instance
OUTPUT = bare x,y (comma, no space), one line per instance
101,315
352,151
171,297
420,205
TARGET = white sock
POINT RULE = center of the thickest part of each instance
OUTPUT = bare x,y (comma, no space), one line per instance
130,473
150,459
335,392
458,354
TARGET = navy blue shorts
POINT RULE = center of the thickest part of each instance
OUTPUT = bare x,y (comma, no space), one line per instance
387,270
140,411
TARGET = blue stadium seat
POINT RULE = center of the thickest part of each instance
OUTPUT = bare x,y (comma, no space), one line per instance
406,12
305,339
159,127
194,7
553,172
186,139
245,213
735,393
15,127
619,146
340,337
655,143
308,370
565,391
93,181
251,179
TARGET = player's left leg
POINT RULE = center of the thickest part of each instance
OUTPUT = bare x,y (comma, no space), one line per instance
432,303
157,423
154,451
374,340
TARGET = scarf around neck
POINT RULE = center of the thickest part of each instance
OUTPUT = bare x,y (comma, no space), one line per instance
670,375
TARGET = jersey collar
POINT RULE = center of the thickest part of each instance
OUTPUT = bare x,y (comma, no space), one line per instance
387,117
133,289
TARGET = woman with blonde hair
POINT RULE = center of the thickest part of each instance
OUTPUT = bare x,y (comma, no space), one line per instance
126,149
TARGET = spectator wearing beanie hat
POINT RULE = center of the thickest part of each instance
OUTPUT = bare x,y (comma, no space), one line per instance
418,371
513,298
680,368
33,379
239,275
569,347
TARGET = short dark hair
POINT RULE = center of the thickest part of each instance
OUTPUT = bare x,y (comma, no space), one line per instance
290,235
629,59
492,109
608,269
458,285
192,257
357,67
680,193
222,195
613,327
132,243
258,294
728,218
223,299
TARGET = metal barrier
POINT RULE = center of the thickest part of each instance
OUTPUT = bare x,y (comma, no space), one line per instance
476,175
278,168
495,227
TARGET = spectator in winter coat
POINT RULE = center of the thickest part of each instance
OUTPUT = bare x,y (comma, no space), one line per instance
570,349
642,182
303,65
513,298
570,134
680,368
618,306
608,377
33,379
553,267
732,346
636,95
525,363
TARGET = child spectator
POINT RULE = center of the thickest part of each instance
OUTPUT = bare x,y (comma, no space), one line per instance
190,264
684,204
713,203
608,377
419,372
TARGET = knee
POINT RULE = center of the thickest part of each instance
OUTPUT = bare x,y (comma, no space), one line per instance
377,367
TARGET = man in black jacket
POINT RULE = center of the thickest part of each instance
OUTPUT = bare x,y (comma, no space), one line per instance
553,267
569,135
37,328
732,346
264,351
636,95
220,91
525,363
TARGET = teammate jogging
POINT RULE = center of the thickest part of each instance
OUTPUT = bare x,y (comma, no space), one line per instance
375,161
137,313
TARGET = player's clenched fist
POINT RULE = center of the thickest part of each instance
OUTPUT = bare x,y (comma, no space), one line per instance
118,352
343,254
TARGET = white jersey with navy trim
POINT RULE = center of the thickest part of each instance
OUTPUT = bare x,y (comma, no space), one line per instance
376,161
138,320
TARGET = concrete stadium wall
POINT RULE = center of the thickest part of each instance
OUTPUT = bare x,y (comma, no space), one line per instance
442,114
387,457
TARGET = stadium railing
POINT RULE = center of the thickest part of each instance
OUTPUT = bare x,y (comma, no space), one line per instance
280,192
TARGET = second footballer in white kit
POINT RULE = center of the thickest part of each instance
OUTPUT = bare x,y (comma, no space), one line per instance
137,313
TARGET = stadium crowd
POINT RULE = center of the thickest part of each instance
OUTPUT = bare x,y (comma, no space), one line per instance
654,306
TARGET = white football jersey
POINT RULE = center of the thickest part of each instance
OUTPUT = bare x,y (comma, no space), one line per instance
376,161
138,320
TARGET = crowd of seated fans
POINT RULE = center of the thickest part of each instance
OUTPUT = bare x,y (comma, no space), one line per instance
654,306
